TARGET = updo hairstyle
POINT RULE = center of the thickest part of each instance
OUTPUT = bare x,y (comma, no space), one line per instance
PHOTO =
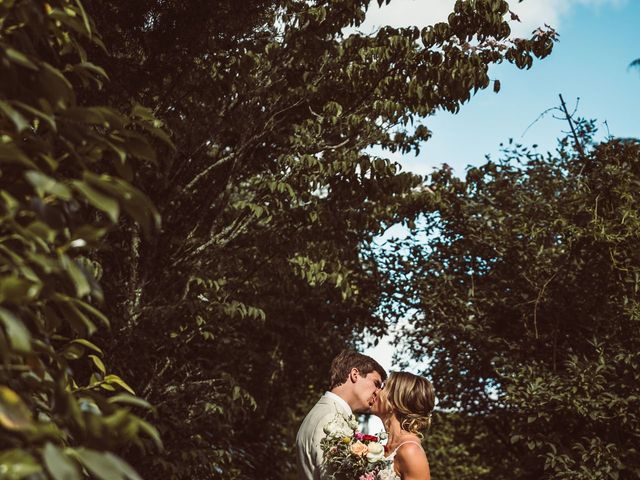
412,399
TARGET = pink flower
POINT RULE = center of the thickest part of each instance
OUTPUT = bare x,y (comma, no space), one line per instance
365,438
368,476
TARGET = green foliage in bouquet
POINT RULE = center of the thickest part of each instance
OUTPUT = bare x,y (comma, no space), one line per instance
65,172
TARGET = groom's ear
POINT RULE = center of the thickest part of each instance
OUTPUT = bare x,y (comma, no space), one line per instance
354,374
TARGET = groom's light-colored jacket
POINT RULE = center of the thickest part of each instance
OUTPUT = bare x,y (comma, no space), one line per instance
308,451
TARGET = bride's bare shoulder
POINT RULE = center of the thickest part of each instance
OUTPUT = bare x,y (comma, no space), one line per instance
411,461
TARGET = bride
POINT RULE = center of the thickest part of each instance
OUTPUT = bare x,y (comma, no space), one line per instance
405,406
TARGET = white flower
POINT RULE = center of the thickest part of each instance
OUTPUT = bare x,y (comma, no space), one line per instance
352,422
338,427
376,452
387,474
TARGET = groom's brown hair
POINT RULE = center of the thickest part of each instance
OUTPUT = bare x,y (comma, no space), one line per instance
348,359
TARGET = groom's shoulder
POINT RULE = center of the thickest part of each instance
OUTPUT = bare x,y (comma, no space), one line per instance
323,406
321,414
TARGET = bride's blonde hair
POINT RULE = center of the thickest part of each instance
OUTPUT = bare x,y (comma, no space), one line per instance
412,399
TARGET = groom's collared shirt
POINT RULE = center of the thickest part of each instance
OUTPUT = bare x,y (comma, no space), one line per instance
346,409
308,450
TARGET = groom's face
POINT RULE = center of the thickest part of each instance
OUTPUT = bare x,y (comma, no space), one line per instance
366,389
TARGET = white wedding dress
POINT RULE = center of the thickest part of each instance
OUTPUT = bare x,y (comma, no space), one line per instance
388,472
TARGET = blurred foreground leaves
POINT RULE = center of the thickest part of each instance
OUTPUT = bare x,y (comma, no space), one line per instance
63,410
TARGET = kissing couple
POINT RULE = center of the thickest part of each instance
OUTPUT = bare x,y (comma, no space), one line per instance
403,401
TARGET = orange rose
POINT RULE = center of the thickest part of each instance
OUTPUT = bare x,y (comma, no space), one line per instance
359,449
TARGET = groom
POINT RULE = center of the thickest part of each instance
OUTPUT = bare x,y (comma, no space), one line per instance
356,380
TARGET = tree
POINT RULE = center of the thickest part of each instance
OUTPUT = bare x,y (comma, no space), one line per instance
525,298
64,411
262,271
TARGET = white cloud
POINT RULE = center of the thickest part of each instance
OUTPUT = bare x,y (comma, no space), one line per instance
405,13
536,13
532,13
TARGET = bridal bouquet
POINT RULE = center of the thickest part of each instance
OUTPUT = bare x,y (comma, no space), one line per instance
349,454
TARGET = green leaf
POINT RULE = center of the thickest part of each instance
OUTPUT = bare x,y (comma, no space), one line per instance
98,464
85,18
111,117
123,467
151,431
18,290
10,153
16,117
115,379
60,466
50,119
42,231
60,90
18,335
133,201
106,465
98,363
72,352
93,311
45,184
78,320
14,414
88,233
88,115
143,113
11,205
160,134
17,464
99,200
20,58
77,275
96,69
140,148
86,343
130,400
117,146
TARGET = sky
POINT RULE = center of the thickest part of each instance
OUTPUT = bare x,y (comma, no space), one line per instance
588,66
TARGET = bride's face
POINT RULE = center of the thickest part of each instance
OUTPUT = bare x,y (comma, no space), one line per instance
381,406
